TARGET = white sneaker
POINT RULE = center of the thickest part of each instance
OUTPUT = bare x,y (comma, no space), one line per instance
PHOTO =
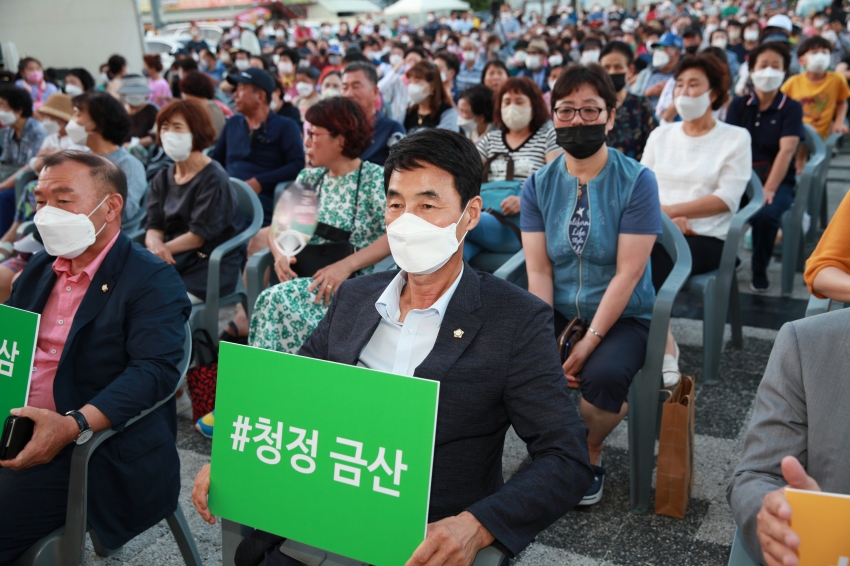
670,370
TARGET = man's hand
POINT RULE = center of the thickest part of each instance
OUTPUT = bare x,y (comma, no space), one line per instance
200,494
654,90
255,185
510,205
454,541
778,541
52,433
840,128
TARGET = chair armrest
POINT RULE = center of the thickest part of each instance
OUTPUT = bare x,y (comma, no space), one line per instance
214,272
817,306
736,227
254,272
510,270
25,228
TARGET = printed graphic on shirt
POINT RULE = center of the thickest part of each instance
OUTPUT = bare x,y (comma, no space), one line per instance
580,221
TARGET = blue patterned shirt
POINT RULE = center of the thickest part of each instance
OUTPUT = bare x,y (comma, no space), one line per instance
137,183
22,150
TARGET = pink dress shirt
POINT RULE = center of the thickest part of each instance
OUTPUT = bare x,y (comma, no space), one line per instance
56,320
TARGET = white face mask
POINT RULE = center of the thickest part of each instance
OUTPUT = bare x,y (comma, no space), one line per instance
64,233
719,42
533,62
304,89
417,93
520,56
242,64
135,99
331,92
516,117
274,105
590,56
817,62
419,247
77,132
692,107
660,59
177,146
551,84
830,36
51,126
768,79
73,90
469,56
443,77
466,124
7,118
556,60
751,35
285,67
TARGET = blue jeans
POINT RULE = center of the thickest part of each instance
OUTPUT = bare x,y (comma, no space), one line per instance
765,224
7,210
492,236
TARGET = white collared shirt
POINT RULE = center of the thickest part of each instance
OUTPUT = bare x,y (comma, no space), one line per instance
398,347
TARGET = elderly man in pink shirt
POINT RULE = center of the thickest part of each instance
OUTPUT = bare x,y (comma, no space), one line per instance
109,341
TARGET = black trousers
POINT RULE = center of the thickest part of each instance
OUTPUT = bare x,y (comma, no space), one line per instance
705,256
32,504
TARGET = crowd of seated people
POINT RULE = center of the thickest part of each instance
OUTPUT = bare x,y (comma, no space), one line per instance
590,131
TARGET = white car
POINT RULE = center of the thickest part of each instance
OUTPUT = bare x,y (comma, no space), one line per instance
163,46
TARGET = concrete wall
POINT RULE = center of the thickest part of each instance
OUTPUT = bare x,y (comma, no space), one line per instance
74,33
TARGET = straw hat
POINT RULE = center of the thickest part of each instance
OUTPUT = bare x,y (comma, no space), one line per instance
58,105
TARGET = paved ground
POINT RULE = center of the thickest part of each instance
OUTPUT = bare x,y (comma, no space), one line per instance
606,534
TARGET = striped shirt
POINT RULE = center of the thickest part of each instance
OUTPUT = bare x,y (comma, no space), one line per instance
528,157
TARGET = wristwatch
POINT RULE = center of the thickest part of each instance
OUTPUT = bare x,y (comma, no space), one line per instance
85,429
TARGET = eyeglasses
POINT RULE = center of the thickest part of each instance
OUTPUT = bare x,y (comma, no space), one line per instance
588,113
311,133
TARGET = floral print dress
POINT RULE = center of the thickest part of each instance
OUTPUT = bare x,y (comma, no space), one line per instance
286,314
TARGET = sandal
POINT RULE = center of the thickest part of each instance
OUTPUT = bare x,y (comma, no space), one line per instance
233,336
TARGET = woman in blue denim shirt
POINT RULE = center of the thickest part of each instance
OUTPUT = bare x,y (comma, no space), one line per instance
589,220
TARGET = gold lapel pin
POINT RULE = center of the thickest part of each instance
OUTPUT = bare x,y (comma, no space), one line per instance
105,288
458,333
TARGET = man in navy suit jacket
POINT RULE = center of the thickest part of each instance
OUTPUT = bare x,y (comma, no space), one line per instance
118,358
487,342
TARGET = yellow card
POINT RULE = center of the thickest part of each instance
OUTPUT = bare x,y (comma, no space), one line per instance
822,521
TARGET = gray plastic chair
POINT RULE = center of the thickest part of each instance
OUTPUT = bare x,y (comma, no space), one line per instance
741,555
719,289
644,397
818,206
232,534
205,315
818,306
810,181
66,545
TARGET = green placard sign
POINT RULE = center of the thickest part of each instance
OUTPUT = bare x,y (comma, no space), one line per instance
18,335
333,456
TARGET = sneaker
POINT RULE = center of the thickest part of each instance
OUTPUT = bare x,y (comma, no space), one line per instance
594,493
759,284
670,370
205,424
184,403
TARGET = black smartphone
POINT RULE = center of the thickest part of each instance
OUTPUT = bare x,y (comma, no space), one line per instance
17,432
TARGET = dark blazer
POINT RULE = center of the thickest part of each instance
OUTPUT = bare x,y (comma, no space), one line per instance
121,356
504,371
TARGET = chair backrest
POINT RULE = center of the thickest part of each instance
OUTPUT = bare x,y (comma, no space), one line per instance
248,202
817,154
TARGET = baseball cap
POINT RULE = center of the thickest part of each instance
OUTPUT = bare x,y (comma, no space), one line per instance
334,50
669,40
134,84
538,44
253,76
780,21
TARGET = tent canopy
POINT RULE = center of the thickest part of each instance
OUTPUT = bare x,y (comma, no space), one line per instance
422,6
349,6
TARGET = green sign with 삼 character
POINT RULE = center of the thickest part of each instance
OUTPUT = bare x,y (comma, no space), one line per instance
334,456
18,336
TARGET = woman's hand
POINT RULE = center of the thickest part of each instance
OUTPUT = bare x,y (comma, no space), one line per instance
282,269
578,357
157,248
328,279
510,205
683,224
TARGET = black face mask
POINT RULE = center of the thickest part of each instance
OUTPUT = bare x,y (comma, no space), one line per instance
322,51
691,49
581,141
619,81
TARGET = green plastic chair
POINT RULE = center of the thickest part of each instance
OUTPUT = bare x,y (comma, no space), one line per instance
810,181
719,289
66,545
818,206
644,393
741,555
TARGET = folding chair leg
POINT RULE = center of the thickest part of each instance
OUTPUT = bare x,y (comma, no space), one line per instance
232,534
824,210
735,314
714,322
99,548
183,535
643,412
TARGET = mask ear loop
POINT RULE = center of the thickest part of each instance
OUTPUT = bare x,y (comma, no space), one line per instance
96,234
